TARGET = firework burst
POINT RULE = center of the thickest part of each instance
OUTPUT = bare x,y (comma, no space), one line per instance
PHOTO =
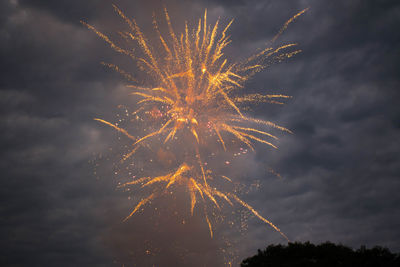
195,93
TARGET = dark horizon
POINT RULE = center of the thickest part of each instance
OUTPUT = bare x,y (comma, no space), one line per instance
340,169
325,254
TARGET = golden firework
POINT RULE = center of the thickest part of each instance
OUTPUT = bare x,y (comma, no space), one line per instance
198,90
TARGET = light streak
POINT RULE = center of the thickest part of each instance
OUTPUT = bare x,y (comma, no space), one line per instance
199,89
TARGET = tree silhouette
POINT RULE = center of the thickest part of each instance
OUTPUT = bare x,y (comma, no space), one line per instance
326,254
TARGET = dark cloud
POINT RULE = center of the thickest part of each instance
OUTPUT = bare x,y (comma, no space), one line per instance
340,168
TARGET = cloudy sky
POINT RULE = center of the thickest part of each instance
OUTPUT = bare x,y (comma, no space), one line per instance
340,169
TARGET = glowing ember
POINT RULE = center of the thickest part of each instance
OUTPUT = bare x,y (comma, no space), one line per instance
194,94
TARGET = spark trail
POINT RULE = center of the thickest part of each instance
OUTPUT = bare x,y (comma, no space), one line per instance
200,94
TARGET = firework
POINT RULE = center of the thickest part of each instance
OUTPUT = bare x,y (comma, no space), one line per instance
197,96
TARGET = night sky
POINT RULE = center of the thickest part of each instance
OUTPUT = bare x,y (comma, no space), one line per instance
340,169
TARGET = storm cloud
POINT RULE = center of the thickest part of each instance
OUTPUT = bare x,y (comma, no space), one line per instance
340,169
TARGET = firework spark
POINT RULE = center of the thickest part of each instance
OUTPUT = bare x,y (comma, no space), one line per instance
198,91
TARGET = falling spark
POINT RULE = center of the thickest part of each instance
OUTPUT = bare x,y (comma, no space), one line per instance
198,89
